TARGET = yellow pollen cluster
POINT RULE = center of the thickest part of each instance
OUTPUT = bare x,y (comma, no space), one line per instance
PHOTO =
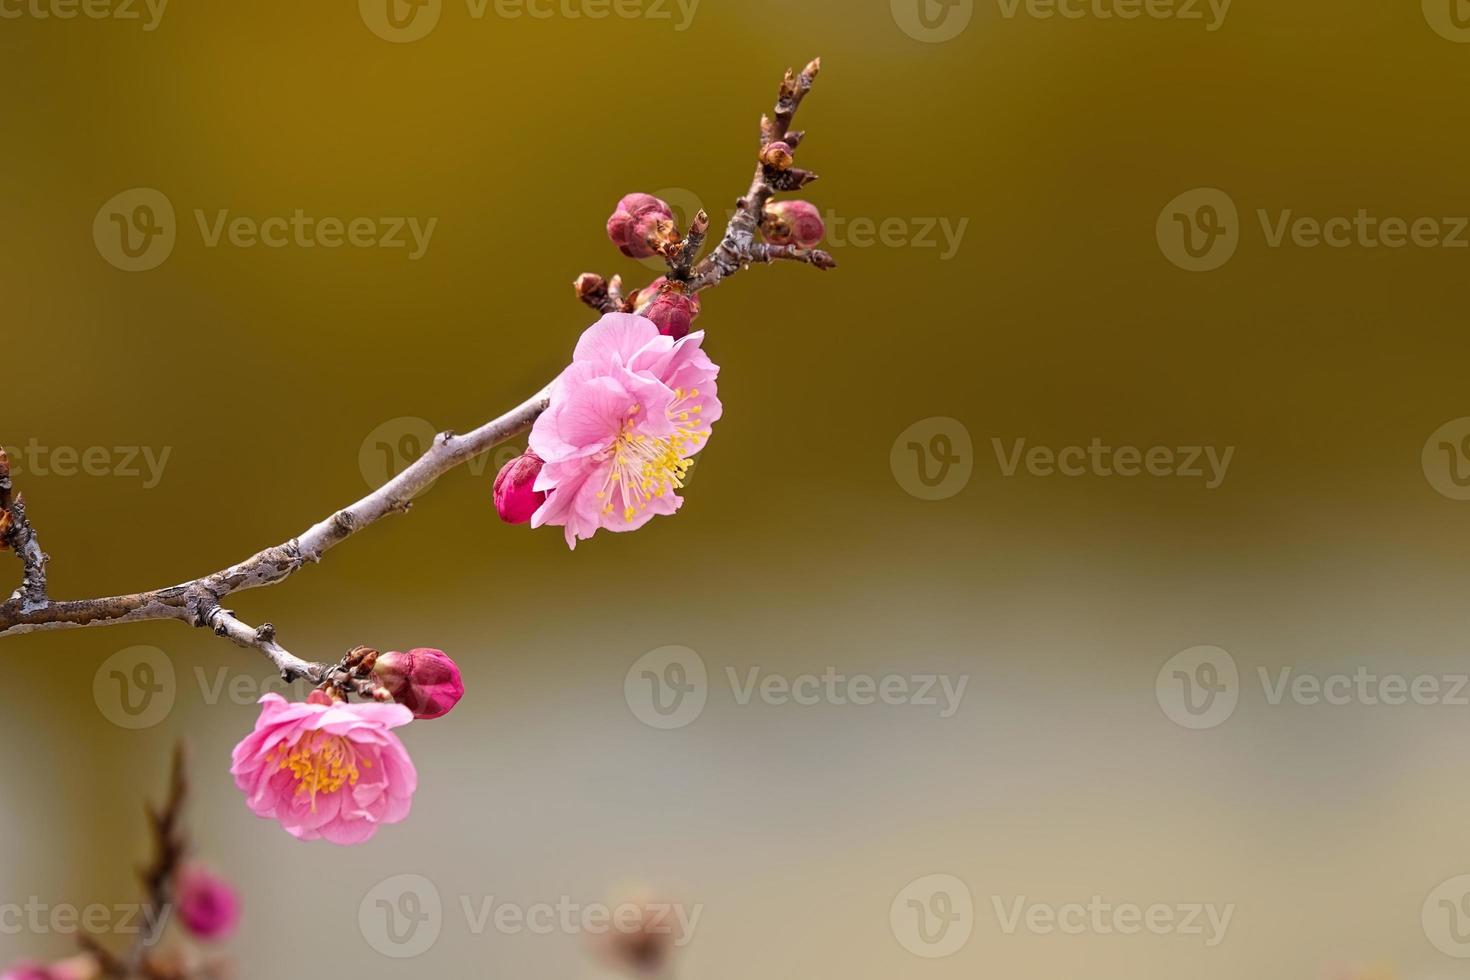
645,467
320,762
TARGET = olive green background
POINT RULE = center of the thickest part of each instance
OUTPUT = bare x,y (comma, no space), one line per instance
270,373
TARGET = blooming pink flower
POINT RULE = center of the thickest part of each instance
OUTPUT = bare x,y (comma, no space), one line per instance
425,680
208,906
332,771
624,419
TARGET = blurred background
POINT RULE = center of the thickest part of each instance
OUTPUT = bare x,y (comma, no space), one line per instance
1056,233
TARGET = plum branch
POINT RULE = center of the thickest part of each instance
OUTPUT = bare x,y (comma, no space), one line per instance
199,602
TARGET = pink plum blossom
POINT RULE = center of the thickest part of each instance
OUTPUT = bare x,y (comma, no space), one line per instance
333,771
624,419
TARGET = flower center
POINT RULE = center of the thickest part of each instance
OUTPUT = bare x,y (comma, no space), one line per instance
645,467
321,763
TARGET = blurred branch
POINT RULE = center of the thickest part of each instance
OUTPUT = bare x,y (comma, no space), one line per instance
170,846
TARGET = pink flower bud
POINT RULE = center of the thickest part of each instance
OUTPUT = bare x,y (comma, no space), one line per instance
674,314
640,220
672,311
515,497
208,906
424,680
793,223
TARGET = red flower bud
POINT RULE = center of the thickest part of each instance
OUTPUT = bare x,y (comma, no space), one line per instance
639,221
208,906
668,307
426,681
515,500
793,223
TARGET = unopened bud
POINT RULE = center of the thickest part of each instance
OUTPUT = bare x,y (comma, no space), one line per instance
793,223
639,222
671,309
516,497
777,155
426,681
